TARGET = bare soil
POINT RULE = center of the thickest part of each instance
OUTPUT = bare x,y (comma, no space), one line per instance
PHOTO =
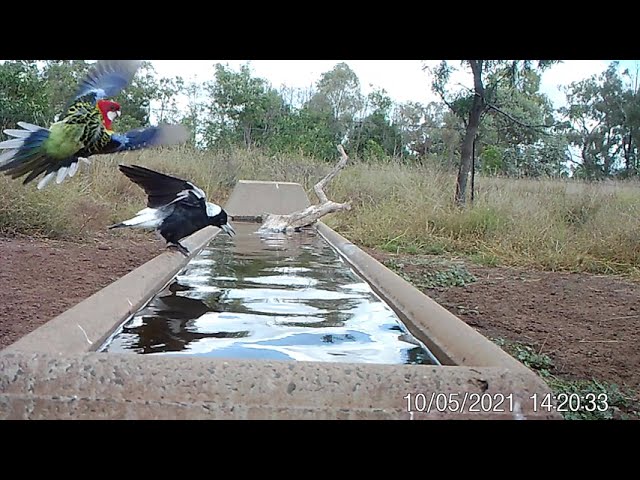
42,278
588,324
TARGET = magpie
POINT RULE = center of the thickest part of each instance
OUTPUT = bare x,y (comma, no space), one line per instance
175,209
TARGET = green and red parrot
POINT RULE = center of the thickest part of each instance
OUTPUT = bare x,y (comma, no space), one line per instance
85,129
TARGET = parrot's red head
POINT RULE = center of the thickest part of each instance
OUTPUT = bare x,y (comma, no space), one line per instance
110,111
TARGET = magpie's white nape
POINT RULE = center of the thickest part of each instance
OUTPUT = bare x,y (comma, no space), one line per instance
176,208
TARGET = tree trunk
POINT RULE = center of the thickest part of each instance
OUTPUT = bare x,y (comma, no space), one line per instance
466,153
247,135
629,163
473,170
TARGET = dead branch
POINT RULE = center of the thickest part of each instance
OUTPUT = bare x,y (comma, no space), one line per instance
304,218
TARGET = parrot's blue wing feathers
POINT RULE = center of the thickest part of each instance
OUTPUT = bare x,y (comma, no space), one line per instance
107,78
149,137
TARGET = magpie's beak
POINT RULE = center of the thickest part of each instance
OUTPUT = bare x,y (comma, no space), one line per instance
228,229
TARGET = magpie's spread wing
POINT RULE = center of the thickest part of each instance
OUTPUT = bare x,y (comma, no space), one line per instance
164,189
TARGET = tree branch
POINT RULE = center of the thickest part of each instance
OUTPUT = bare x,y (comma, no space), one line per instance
515,120
619,146
575,162
447,103
304,218
319,187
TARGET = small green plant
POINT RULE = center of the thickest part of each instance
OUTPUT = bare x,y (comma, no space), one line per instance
431,274
485,259
620,403
394,247
537,361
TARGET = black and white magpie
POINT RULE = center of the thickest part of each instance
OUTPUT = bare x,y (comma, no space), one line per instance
176,207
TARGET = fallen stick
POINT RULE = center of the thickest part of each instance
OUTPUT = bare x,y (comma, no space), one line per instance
295,221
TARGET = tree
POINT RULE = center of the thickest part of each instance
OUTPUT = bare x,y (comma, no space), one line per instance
304,131
521,150
338,93
23,96
167,91
471,104
429,131
193,117
244,109
631,115
601,121
375,135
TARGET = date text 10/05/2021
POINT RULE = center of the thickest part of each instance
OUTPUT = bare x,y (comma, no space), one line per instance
500,403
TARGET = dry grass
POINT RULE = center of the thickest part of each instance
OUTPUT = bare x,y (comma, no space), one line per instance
550,224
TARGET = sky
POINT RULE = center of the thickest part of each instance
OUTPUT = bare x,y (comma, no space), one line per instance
404,80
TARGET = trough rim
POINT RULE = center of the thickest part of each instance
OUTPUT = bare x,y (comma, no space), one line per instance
448,337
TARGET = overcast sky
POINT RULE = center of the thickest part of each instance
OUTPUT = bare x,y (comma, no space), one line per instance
404,80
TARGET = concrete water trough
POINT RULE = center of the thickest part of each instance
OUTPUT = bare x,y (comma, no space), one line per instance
91,363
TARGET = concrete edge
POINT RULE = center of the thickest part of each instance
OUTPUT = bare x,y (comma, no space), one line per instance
123,386
255,198
85,326
449,338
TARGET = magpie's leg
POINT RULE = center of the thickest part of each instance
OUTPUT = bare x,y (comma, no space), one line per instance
178,246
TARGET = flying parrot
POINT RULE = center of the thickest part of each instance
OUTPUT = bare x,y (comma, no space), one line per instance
85,129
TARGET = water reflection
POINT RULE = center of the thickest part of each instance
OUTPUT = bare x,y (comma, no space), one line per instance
271,297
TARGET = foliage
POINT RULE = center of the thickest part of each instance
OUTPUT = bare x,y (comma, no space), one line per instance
620,403
375,136
23,94
338,94
243,109
603,122
432,273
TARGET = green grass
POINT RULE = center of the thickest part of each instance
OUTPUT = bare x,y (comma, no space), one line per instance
607,397
400,208
434,273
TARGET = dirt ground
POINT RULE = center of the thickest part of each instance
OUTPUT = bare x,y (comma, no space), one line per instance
42,278
589,325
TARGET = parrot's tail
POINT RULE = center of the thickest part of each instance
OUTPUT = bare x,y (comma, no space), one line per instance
24,154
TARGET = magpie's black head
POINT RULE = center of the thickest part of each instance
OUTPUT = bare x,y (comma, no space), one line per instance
221,220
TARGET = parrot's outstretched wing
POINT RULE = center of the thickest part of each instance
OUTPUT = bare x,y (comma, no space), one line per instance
107,78
147,137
